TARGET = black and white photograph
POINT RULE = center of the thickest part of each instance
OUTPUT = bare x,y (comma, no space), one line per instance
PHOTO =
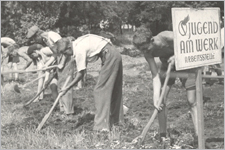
112,74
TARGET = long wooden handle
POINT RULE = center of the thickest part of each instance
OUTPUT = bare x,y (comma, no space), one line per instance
55,103
49,81
145,130
27,71
16,87
33,80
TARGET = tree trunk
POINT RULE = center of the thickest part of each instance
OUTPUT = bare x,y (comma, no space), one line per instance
121,31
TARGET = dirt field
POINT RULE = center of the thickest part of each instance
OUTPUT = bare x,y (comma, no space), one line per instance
18,124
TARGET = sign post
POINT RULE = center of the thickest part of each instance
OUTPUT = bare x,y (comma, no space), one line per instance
197,43
200,116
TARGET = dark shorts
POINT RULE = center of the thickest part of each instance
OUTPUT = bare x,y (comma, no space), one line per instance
188,83
13,59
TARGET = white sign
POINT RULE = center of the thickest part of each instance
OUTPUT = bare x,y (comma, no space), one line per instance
197,40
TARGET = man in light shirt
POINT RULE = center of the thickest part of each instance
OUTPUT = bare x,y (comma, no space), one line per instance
39,36
108,90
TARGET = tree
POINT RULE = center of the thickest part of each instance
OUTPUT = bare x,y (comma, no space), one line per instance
18,16
157,14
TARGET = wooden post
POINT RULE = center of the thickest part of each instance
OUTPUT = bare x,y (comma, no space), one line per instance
200,116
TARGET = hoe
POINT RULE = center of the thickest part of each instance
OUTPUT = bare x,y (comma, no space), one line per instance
140,139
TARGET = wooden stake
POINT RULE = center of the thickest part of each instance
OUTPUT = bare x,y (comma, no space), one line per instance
200,123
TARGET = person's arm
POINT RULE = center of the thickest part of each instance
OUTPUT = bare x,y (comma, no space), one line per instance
25,57
78,77
50,61
55,51
155,78
28,63
172,60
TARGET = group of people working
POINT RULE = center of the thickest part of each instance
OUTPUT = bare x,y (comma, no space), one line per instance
49,48
69,53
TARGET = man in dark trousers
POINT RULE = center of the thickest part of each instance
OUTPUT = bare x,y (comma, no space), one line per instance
108,90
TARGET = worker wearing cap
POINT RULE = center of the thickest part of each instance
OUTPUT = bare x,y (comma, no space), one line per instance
47,39
40,56
44,38
8,47
38,36
66,105
41,37
108,90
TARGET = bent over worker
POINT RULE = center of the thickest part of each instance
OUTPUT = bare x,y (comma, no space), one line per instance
41,56
108,90
161,46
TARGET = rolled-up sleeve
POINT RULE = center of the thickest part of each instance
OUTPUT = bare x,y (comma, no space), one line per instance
81,59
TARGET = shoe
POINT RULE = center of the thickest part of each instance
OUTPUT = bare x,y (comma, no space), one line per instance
69,116
104,130
165,142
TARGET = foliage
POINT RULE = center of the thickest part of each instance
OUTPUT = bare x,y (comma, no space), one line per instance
70,16
157,14
18,16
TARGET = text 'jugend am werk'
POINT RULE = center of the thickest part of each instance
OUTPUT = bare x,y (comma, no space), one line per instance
194,45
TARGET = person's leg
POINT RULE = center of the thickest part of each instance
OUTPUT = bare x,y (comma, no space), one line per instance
15,67
66,101
40,86
40,82
117,115
10,68
103,91
191,96
54,87
15,61
80,84
162,115
218,71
